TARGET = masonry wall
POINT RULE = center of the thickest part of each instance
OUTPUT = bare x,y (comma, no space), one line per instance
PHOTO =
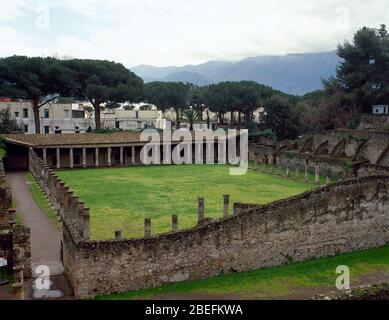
343,217
340,218
17,236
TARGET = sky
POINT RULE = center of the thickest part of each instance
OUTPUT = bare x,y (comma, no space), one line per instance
179,32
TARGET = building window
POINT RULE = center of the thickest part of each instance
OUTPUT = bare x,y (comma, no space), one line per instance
46,113
136,114
16,114
77,129
47,129
26,128
117,124
25,113
67,114
57,130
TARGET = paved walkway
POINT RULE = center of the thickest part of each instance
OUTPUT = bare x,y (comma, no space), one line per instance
45,236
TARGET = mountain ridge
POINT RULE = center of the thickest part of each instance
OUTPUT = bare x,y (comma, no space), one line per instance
297,73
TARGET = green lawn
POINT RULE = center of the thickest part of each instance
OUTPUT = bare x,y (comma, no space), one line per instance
283,281
120,198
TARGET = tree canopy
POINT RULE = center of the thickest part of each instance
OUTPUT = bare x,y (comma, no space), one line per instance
100,81
40,80
167,95
363,75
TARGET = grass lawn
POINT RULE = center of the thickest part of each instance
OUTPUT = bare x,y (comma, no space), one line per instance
120,198
276,282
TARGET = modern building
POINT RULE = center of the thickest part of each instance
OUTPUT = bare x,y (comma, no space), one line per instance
54,117
132,119
381,109
72,118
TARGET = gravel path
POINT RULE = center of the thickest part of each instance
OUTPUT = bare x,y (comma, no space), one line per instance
45,236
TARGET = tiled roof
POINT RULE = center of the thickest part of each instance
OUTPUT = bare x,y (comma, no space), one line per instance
68,139
79,139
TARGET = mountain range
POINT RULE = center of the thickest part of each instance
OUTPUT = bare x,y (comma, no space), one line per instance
292,73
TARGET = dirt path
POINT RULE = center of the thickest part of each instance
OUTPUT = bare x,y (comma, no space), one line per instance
45,236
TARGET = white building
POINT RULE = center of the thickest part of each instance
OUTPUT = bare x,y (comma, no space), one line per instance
54,117
132,119
72,118
380,109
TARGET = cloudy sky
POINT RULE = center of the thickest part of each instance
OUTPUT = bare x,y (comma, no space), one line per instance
178,32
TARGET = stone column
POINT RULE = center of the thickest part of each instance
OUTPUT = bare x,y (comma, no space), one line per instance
44,155
279,166
147,227
71,158
200,211
175,223
58,158
121,156
288,168
317,173
133,154
97,157
328,175
297,168
226,205
109,149
306,171
84,157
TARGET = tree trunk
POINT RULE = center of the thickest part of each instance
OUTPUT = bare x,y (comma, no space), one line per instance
247,118
97,114
37,120
178,122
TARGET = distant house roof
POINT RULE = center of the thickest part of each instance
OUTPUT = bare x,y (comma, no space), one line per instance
5,99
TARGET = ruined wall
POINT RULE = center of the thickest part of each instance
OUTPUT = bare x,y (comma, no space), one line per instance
343,217
369,170
374,121
13,236
338,153
339,218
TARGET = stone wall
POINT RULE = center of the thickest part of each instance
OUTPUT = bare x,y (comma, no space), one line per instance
13,237
22,241
369,170
374,121
338,218
337,153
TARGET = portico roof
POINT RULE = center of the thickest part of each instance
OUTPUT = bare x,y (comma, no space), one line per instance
77,139
73,139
